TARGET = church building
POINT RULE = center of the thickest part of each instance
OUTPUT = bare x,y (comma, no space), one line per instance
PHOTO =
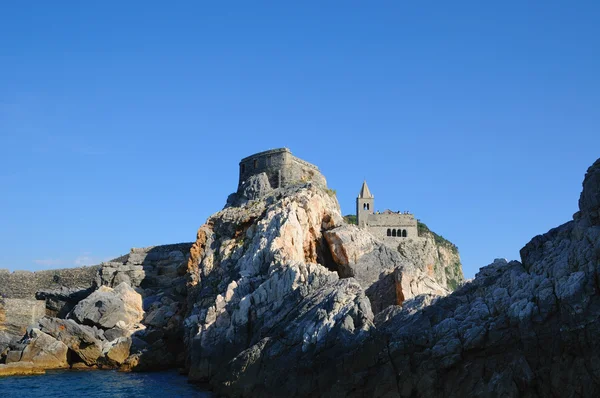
388,225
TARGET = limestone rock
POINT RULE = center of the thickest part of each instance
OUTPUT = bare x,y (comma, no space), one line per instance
517,329
59,302
117,351
106,307
589,201
83,340
255,186
44,351
388,277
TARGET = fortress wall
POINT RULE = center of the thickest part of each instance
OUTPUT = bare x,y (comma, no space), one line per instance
405,220
270,162
18,314
24,284
281,167
297,170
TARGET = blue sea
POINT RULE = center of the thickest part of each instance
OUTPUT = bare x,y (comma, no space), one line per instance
90,384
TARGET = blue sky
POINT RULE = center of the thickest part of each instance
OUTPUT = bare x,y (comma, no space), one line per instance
121,125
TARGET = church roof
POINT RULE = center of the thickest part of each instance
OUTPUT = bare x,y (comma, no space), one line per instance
364,191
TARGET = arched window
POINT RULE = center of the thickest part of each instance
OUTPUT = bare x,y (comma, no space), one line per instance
393,232
404,233
389,232
368,207
364,206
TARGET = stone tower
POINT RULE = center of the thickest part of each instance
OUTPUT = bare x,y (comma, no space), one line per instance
364,205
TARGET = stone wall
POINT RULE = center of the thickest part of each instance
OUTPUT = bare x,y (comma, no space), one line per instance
378,225
18,314
281,167
24,284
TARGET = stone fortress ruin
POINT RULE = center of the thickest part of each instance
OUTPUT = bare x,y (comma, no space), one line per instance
278,168
281,168
387,226
272,169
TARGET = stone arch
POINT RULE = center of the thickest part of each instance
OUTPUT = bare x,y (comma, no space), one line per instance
393,232
389,232
404,233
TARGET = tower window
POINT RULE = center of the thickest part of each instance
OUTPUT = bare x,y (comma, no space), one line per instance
256,164
389,232
364,206
404,233
393,232
243,168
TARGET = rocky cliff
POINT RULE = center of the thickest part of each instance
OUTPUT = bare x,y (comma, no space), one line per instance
524,328
278,296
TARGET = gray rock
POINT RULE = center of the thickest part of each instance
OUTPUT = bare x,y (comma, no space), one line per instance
106,307
255,187
83,340
62,300
589,201
43,351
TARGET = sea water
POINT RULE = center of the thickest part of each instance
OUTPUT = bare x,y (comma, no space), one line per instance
99,383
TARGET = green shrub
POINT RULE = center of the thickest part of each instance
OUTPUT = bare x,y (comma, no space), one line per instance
351,219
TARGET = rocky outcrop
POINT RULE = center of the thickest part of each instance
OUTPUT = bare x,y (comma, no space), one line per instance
265,284
524,328
589,202
387,277
107,307
41,349
84,341
435,256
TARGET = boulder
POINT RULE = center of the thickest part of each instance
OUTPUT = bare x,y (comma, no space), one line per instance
59,302
107,306
116,352
83,340
44,351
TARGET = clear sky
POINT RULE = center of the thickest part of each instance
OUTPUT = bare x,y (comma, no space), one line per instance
122,123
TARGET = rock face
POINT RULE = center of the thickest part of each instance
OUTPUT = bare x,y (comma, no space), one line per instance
435,256
42,350
524,328
107,307
84,341
387,277
589,202
265,276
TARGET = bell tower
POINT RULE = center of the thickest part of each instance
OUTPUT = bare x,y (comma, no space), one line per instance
364,205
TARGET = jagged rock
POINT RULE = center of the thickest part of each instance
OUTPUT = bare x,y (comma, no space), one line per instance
106,307
387,277
43,350
114,273
117,351
270,263
255,187
59,302
83,340
589,201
